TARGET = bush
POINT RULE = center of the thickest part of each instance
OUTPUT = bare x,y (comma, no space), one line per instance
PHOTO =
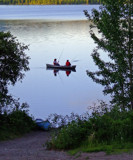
107,126
14,124
70,136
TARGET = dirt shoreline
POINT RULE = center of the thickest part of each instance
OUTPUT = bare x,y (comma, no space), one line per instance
31,147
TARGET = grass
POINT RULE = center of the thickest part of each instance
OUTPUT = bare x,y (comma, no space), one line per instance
113,148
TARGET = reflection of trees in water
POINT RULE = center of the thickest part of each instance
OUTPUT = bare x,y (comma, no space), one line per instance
2,26
13,62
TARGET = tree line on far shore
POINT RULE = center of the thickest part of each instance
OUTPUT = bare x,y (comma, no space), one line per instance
48,2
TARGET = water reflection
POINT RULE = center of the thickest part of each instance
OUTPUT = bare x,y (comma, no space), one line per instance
47,12
57,71
68,72
47,40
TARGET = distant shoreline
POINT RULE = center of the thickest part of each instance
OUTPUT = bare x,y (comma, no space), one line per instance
44,20
46,4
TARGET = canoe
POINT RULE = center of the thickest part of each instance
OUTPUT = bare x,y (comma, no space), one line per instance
61,67
45,125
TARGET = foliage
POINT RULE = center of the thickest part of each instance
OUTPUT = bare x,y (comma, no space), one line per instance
115,27
59,121
15,123
13,61
106,127
70,135
14,119
48,2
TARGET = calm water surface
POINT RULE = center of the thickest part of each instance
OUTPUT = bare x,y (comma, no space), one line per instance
56,33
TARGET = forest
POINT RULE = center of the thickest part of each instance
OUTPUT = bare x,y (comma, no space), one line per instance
47,2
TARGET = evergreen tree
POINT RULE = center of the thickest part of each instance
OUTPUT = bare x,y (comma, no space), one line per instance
114,22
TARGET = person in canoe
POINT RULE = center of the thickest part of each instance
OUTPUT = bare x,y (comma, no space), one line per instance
55,62
68,63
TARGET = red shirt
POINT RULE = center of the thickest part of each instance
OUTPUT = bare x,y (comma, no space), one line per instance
68,63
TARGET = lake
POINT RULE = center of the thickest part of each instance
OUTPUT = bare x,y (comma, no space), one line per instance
60,32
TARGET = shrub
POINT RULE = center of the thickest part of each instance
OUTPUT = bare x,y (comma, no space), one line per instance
107,127
15,124
70,135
